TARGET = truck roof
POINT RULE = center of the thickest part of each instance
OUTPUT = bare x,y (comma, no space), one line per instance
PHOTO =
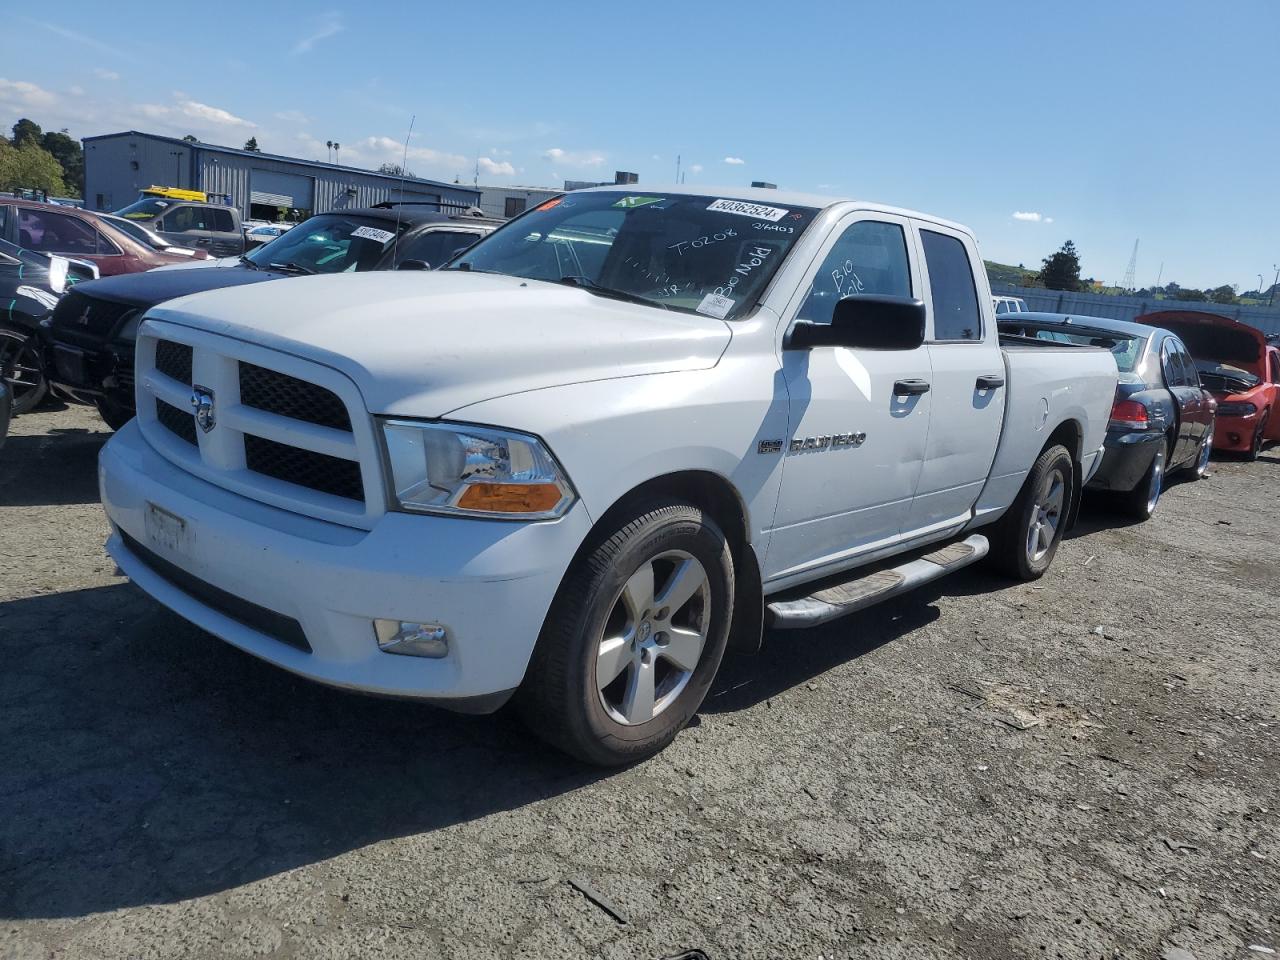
771,197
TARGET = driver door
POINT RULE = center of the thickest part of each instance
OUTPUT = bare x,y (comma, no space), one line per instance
856,436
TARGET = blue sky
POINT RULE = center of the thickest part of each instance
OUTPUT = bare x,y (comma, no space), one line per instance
1098,122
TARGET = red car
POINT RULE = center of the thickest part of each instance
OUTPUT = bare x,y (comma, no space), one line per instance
1239,367
114,246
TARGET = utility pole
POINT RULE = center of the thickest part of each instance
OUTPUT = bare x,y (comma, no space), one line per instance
677,168
1160,275
1271,295
1259,284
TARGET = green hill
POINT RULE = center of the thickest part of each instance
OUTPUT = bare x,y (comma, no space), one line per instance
1000,273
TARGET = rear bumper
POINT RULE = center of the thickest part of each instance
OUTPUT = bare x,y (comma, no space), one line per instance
303,593
1128,455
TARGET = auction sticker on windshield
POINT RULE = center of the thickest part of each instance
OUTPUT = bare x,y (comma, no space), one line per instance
744,209
714,305
372,233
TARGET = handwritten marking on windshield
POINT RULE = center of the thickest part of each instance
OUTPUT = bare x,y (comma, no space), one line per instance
700,242
755,256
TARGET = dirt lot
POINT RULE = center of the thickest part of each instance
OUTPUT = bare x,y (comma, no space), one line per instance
867,789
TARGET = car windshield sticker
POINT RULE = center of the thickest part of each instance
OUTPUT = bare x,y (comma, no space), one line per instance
628,202
714,305
372,233
744,209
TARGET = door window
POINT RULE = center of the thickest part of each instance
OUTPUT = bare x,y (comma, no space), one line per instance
106,246
185,220
435,246
1169,361
55,232
869,257
955,297
1190,376
222,221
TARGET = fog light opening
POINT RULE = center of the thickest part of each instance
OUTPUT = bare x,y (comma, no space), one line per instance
412,639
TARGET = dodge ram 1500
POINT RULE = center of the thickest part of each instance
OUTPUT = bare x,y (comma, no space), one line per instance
625,432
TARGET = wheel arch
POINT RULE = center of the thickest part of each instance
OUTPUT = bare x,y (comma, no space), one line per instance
715,494
1070,434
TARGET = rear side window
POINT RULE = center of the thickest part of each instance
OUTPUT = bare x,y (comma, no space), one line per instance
435,246
48,232
869,257
185,219
1173,376
1190,376
222,221
955,296
106,246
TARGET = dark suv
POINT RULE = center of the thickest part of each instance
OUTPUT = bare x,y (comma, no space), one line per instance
94,326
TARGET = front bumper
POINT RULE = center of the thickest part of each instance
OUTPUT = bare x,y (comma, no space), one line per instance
1128,455
86,374
489,582
1235,434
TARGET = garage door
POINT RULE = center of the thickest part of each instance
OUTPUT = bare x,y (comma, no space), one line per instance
281,189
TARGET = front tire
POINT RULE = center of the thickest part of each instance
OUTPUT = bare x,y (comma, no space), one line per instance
22,369
1259,439
112,414
633,639
1025,540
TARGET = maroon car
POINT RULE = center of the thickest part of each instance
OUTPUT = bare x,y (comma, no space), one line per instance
115,246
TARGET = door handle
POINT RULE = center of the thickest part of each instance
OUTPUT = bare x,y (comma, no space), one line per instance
990,382
910,388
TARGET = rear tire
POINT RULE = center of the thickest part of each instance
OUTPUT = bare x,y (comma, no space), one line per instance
663,648
1141,502
1025,540
22,369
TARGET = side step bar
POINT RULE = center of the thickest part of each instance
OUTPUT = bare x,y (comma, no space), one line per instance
872,588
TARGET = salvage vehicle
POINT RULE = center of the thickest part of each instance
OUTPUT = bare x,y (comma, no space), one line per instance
6,410
80,235
92,333
1005,305
151,238
1240,367
1162,420
30,285
209,226
618,435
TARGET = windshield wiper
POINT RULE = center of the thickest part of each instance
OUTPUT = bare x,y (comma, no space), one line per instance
586,283
292,267
249,263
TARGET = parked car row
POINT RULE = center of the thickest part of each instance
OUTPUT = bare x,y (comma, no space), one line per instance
607,442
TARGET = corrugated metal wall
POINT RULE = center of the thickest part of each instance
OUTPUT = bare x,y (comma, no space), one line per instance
1126,308
109,172
493,200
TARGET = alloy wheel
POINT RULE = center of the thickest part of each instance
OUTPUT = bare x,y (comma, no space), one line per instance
20,368
653,637
1156,486
1046,516
1206,451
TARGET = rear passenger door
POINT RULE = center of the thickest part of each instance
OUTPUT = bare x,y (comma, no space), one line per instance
186,226
1185,399
966,383
226,238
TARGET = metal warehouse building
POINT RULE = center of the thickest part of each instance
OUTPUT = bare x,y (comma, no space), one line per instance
118,165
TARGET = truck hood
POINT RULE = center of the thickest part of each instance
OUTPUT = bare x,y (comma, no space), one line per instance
422,344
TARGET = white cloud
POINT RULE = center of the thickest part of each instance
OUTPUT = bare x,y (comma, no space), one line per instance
495,168
695,168
1030,216
575,158
194,110
25,94
1048,219
76,90
734,161
423,161
293,116
326,25
102,74
68,34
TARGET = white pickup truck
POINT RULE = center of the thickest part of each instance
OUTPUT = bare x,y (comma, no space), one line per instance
619,436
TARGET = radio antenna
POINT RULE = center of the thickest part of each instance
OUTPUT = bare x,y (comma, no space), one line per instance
404,163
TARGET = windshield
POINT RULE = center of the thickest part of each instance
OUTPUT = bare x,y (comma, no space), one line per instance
138,232
148,208
1126,348
329,243
691,253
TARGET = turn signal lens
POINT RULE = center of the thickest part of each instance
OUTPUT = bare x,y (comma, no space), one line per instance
511,497
1129,415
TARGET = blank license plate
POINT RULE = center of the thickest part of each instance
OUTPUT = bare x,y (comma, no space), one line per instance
165,529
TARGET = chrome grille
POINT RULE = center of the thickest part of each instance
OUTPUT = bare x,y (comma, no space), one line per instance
272,426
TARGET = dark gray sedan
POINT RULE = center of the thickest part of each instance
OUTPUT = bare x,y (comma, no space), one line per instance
1162,420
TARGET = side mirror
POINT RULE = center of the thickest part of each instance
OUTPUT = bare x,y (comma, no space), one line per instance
414,265
864,322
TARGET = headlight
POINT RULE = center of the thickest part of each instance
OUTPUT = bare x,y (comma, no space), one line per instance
474,471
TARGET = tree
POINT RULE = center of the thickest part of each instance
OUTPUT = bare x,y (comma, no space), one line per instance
26,129
29,166
1223,294
1187,293
252,145
70,156
1061,271
395,170
190,139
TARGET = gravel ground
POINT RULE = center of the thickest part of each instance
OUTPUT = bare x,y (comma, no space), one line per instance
1083,767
